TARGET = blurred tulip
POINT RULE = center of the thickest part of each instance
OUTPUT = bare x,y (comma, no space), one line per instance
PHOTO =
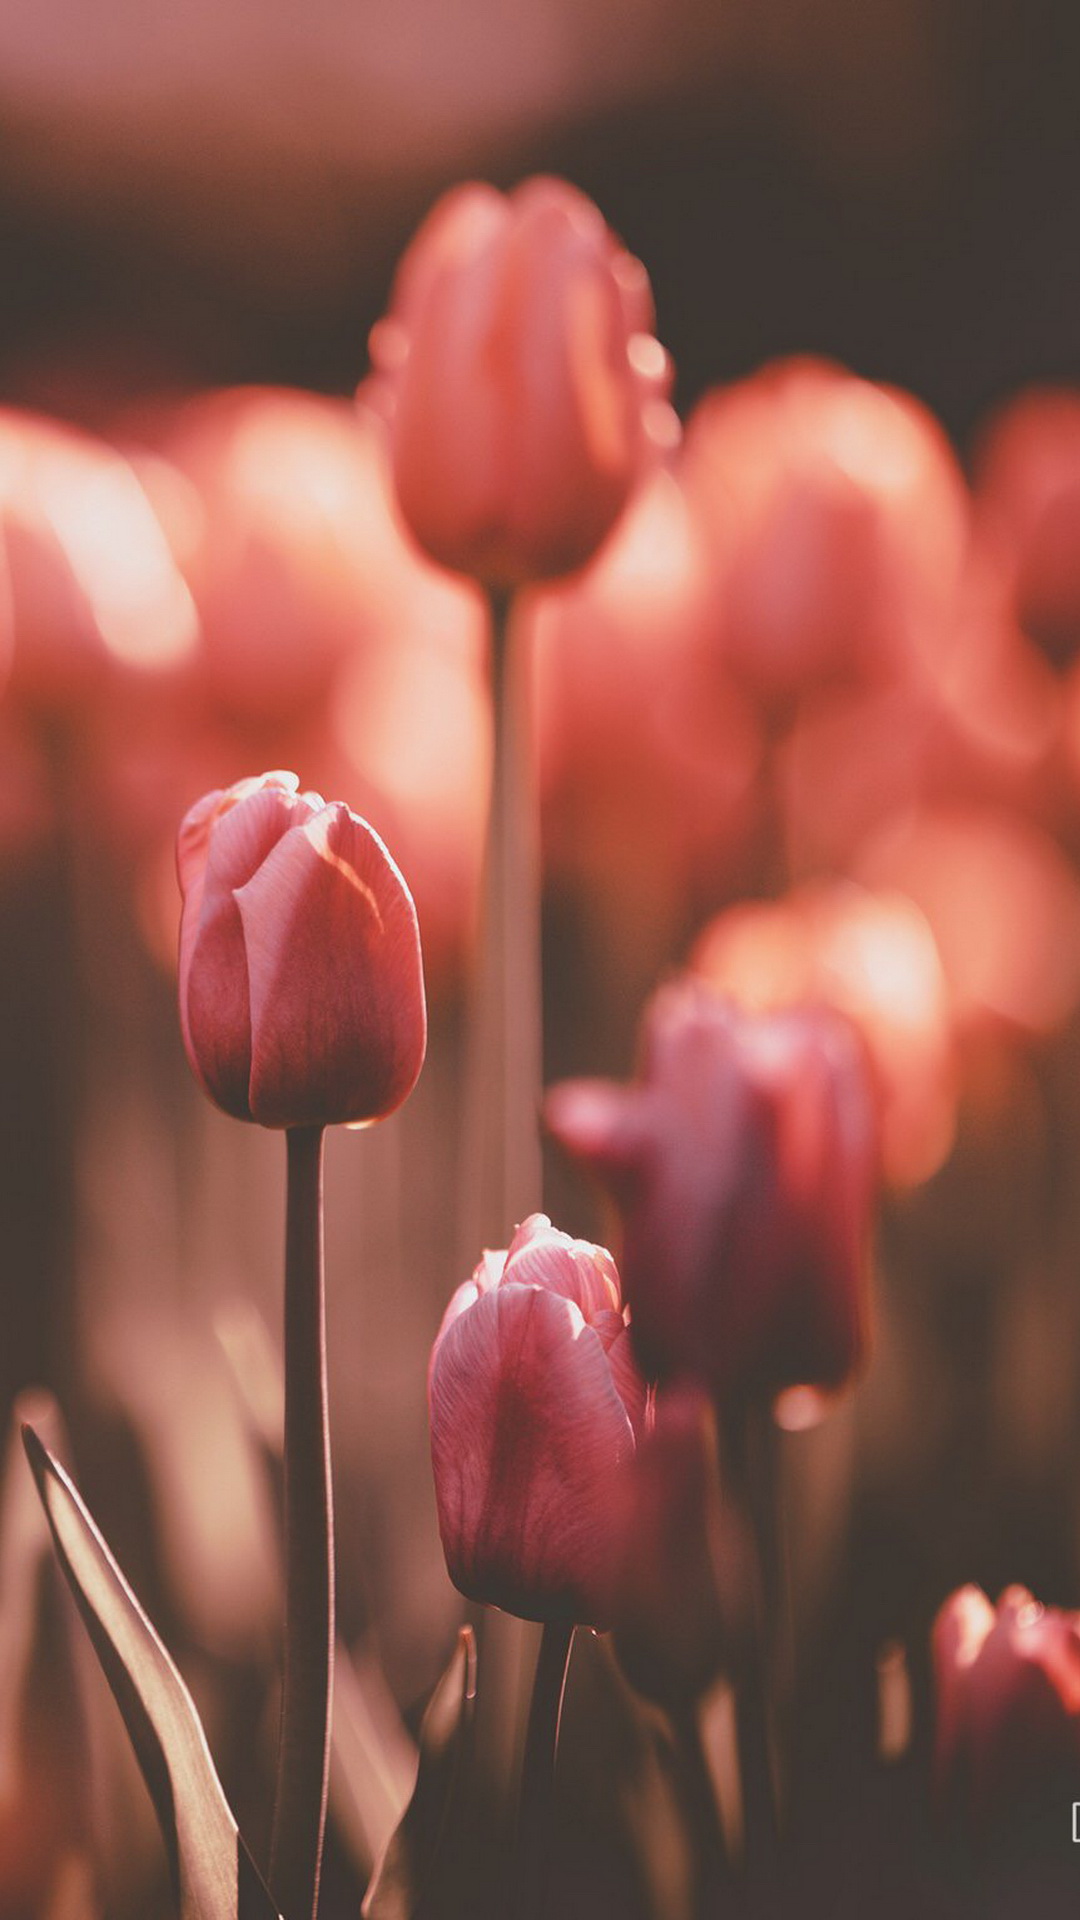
1004,906
839,520
872,956
647,754
1008,1702
92,582
1028,500
682,1579
301,984
525,391
742,1166
536,1407
276,505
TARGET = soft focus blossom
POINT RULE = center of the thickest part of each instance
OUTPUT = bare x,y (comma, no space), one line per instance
1028,499
1004,905
838,518
525,390
301,985
742,1165
275,503
89,582
536,1408
874,958
647,752
1008,1702
683,1574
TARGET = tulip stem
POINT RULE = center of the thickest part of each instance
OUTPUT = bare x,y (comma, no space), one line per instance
502,1134
754,1458
538,1773
699,1793
303,1751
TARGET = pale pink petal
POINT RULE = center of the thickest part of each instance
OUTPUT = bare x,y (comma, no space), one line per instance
527,1433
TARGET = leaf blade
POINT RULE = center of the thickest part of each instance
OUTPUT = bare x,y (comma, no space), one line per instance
215,1877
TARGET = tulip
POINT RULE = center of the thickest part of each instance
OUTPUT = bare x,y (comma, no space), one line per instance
536,1407
874,958
838,517
683,1579
742,1165
301,982
1008,1701
1028,501
525,392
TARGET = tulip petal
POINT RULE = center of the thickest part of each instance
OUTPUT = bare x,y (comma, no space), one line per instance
527,1431
248,821
335,977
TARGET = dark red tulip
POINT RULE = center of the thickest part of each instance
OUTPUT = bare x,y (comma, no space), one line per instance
525,391
536,1407
742,1164
301,982
1008,1702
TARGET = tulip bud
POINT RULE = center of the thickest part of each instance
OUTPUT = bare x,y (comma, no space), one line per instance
683,1576
301,982
742,1164
525,391
536,1406
1008,1702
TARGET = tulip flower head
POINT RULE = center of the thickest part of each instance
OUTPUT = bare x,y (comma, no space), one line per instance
742,1164
301,981
536,1408
1008,1701
525,390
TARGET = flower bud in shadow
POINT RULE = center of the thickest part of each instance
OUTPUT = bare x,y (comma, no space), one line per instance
742,1163
525,391
536,1406
301,982
1008,1704
683,1576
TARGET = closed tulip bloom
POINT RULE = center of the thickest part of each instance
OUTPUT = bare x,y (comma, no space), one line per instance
1008,1701
536,1408
742,1163
301,982
525,391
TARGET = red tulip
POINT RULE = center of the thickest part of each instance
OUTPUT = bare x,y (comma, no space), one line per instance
1008,1700
536,1407
525,390
301,984
683,1575
874,958
838,518
1028,496
742,1164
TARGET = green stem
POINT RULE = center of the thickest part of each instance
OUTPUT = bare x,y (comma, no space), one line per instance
303,1752
535,1820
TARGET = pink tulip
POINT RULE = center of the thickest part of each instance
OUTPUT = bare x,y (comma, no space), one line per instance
301,983
742,1164
838,520
536,1407
1008,1700
525,391
1028,499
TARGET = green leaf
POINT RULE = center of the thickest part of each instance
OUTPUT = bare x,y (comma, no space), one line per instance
414,1879
212,1870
